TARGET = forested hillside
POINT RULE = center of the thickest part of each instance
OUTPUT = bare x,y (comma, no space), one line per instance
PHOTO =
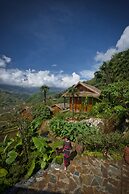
113,80
115,70
9,100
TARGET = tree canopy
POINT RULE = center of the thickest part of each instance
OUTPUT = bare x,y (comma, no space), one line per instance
115,70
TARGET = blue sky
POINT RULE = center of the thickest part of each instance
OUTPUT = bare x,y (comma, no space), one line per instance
58,42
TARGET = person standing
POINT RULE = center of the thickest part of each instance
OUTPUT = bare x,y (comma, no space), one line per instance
67,151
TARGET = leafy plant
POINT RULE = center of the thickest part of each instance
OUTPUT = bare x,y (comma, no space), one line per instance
31,169
91,137
3,172
11,157
40,143
59,159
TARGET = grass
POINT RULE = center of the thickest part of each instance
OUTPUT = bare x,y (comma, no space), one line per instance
93,154
115,155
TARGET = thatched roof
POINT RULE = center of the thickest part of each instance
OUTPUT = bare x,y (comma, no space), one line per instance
89,90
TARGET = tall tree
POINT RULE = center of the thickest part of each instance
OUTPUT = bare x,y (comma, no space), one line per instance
44,89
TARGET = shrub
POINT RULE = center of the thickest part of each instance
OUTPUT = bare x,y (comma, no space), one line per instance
101,109
42,112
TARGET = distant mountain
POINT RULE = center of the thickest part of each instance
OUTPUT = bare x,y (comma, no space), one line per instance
12,95
8,100
38,96
26,90
18,89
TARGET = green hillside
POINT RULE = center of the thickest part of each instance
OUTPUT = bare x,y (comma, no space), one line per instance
9,100
52,97
115,70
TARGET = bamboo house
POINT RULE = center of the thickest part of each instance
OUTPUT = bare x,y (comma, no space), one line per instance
82,97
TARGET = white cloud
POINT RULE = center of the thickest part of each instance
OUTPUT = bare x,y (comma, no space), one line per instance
100,56
4,60
31,78
121,45
123,42
69,80
87,74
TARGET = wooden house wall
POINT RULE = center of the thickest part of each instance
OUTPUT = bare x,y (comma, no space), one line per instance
79,106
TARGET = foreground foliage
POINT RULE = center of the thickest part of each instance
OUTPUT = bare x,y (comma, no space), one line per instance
18,161
24,154
92,138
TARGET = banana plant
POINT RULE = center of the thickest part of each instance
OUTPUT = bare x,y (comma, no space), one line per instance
40,156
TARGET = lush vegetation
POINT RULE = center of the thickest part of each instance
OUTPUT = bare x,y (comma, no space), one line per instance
115,70
27,152
92,138
9,103
20,159
113,80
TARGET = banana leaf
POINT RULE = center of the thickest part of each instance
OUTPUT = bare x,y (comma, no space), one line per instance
39,143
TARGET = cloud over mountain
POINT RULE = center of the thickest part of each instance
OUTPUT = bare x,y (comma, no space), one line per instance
33,78
121,45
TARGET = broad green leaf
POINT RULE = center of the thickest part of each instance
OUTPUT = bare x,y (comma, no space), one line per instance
43,164
31,169
39,143
45,157
11,157
3,172
56,144
1,149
